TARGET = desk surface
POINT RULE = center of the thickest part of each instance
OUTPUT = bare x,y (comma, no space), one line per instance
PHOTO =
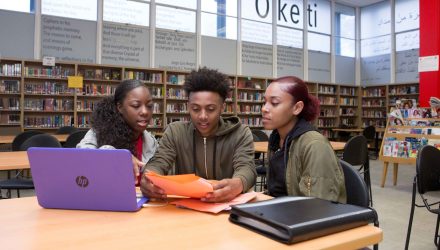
10,138
26,225
14,160
261,146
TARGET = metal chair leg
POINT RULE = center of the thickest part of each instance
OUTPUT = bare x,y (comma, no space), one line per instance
411,215
436,236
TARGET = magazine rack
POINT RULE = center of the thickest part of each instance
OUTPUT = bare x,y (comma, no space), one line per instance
401,143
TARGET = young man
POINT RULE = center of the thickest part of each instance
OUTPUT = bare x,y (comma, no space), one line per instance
210,146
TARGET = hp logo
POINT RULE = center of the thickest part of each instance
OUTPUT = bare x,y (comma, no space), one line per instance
82,181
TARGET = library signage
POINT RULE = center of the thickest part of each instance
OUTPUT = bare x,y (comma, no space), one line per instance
288,12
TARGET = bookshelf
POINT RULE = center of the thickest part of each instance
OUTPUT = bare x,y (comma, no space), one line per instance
401,141
176,98
374,108
328,118
249,94
349,106
10,93
402,91
48,103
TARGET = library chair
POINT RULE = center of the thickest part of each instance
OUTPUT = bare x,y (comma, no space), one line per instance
260,167
356,153
356,188
74,138
66,130
370,133
18,182
19,139
427,179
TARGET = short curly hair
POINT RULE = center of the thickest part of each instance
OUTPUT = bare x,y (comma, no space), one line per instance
206,79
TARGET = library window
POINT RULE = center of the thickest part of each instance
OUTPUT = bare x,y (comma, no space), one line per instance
190,4
319,16
318,42
18,5
406,15
257,10
376,20
407,40
376,46
252,31
344,31
175,19
223,7
79,9
289,37
219,26
122,11
290,13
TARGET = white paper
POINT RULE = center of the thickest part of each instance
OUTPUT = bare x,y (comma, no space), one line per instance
49,61
428,63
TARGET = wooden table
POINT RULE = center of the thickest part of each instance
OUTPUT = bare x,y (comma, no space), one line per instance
261,146
6,139
25,225
14,160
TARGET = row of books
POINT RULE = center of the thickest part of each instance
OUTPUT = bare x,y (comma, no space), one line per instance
327,100
156,92
373,92
249,109
376,123
252,121
177,108
330,123
9,118
52,72
351,122
143,76
100,74
10,69
415,131
176,94
48,104
407,148
325,89
47,88
86,105
348,101
347,111
48,121
328,133
373,103
83,120
229,108
10,86
374,113
178,79
94,89
246,96
327,112
243,83
347,91
10,103
399,90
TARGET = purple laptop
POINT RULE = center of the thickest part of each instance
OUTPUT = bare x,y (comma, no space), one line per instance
86,179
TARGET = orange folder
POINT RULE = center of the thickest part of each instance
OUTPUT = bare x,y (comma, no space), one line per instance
188,185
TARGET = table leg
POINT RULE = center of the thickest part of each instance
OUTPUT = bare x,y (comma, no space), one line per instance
395,169
384,173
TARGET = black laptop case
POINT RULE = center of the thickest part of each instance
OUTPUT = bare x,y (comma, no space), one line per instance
295,219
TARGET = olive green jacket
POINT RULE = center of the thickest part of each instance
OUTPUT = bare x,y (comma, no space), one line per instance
227,154
313,169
